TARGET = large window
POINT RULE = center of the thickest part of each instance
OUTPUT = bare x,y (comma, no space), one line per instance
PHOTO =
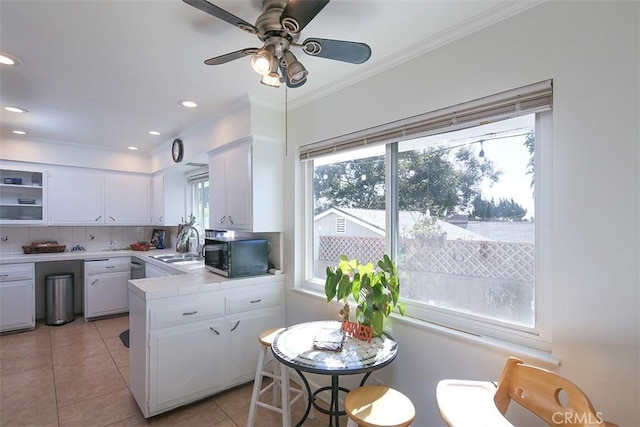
456,210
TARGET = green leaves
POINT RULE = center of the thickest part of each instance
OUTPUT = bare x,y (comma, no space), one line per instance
375,288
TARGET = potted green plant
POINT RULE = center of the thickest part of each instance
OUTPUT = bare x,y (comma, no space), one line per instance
375,289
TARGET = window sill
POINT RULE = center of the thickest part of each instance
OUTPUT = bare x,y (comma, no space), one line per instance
511,349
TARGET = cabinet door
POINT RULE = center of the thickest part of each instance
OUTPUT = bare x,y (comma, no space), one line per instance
127,199
106,293
239,194
157,200
155,271
76,197
186,362
217,192
17,305
168,199
244,330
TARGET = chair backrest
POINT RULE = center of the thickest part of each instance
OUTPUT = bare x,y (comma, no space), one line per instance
551,397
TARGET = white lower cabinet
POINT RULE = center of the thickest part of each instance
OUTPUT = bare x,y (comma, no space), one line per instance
185,363
106,287
243,341
187,347
156,271
17,297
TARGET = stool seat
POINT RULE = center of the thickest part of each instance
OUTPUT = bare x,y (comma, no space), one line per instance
266,337
378,406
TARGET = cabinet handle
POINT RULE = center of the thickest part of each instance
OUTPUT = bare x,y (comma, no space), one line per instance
94,282
230,220
189,313
222,219
235,326
256,301
112,218
160,219
110,266
97,218
217,333
4,275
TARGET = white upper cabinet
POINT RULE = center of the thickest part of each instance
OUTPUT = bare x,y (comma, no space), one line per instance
127,199
23,196
76,197
84,196
167,199
245,185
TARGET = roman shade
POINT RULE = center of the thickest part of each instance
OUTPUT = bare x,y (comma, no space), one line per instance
529,99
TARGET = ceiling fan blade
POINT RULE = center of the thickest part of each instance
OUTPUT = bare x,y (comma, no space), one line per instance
228,57
283,71
339,50
220,13
298,13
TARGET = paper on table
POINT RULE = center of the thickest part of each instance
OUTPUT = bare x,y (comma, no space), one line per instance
329,339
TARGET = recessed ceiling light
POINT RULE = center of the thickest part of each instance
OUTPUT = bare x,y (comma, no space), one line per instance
132,148
19,132
188,104
6,59
16,109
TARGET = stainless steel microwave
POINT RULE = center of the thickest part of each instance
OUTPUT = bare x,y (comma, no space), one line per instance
236,257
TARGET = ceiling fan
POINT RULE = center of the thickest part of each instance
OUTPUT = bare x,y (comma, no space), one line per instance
279,27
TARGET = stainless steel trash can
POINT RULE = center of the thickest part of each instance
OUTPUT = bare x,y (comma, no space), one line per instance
58,299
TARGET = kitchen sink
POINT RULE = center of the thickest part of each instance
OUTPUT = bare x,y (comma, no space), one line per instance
178,258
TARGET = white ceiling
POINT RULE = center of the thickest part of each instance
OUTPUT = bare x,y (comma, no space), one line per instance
105,72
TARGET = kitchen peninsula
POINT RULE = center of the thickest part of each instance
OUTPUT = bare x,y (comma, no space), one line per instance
194,335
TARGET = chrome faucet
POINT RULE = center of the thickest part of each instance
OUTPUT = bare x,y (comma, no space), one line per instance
184,233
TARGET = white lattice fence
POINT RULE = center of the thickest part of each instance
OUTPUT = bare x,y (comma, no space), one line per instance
364,249
485,259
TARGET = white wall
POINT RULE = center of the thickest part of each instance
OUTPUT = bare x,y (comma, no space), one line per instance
591,51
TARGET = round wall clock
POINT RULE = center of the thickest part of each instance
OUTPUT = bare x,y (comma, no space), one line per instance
177,150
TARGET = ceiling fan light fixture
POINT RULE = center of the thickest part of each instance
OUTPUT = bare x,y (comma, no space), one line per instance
261,60
272,78
296,72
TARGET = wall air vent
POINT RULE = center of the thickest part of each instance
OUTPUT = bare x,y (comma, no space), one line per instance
341,225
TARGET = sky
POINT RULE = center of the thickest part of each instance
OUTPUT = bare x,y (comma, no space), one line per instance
502,142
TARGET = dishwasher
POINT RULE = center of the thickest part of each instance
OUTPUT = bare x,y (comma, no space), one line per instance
137,269
106,282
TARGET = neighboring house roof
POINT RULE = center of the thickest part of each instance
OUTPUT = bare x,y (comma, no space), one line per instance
374,220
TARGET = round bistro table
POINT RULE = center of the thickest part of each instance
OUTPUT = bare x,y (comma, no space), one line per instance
294,347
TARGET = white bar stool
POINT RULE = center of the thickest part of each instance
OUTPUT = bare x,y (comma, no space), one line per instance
378,406
279,373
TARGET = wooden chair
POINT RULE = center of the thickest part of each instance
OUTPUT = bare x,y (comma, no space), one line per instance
378,406
551,397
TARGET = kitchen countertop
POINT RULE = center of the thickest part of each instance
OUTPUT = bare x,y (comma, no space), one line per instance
14,258
186,279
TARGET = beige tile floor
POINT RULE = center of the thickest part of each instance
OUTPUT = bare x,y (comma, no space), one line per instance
77,374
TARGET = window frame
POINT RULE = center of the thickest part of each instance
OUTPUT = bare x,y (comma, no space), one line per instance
537,337
192,178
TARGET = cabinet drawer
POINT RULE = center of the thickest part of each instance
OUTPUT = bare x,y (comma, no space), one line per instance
107,265
185,312
13,272
253,301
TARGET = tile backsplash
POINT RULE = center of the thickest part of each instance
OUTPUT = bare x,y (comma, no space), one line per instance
91,238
